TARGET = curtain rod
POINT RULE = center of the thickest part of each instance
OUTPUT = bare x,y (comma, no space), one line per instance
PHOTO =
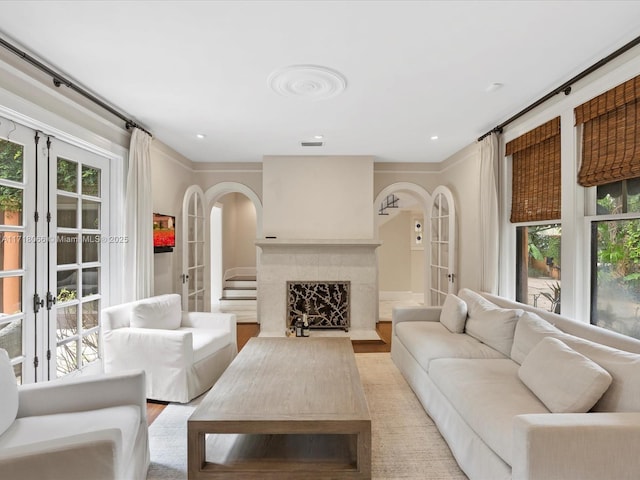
59,80
565,87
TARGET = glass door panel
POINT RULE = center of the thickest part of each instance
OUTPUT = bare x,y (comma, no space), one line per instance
15,147
442,245
193,256
81,251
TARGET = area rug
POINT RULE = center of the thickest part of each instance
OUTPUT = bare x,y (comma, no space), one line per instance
405,442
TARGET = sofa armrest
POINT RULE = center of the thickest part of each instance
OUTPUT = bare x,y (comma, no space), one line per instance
83,393
580,446
217,320
415,314
93,455
158,352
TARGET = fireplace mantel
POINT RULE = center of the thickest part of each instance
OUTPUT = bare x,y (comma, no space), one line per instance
279,242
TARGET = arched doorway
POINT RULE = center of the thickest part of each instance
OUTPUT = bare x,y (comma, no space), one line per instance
400,212
232,286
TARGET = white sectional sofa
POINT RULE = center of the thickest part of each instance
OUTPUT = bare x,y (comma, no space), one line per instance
514,404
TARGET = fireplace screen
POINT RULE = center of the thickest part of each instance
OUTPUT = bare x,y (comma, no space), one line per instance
325,303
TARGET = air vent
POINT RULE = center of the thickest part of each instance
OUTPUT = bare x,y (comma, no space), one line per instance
311,144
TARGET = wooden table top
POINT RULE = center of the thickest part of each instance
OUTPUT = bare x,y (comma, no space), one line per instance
288,380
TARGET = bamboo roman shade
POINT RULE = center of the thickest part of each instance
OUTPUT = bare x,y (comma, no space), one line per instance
536,174
611,135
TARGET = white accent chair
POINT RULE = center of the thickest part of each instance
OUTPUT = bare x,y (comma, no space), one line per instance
73,429
182,353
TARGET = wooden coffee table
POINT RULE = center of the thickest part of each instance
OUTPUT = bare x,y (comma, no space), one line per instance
285,408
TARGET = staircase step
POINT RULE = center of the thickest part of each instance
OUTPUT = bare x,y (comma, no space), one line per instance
241,304
240,284
232,292
243,278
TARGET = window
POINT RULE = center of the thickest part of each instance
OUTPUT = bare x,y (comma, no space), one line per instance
611,163
615,262
538,268
535,203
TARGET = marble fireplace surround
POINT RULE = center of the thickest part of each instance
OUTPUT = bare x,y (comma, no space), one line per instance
320,260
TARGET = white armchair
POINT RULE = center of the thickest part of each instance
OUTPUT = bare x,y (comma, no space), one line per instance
89,427
182,353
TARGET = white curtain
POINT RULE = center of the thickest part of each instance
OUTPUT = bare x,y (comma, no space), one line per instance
489,223
139,220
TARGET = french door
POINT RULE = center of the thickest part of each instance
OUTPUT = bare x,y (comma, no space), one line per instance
193,250
53,252
442,242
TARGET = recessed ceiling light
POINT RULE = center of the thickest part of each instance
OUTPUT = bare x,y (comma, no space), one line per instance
318,137
494,86
434,137
200,135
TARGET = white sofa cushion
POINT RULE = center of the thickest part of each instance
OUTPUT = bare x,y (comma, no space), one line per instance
162,312
429,340
40,428
489,323
487,394
563,379
529,331
454,313
8,392
624,367
206,342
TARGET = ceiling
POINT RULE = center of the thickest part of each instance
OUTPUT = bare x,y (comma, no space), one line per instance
413,69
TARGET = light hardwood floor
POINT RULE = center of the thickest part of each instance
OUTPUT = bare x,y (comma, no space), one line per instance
247,330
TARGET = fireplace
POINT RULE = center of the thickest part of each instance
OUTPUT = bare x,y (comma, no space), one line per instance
314,262
326,303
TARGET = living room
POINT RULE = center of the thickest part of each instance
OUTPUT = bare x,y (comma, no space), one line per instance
356,209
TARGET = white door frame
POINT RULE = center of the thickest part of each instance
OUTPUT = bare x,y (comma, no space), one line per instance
216,255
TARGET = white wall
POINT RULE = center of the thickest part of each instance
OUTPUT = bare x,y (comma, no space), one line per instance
318,197
417,270
239,231
171,174
394,255
460,174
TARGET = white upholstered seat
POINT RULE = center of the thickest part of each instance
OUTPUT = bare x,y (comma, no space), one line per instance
182,353
88,427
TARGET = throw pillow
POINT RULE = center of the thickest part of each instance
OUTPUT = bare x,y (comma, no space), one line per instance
8,392
163,312
531,328
624,393
454,313
624,367
563,379
489,323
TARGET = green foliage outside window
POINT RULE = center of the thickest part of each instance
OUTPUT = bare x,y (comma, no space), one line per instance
11,168
619,246
544,243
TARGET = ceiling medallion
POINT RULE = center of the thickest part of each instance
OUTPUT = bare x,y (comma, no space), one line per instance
311,82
